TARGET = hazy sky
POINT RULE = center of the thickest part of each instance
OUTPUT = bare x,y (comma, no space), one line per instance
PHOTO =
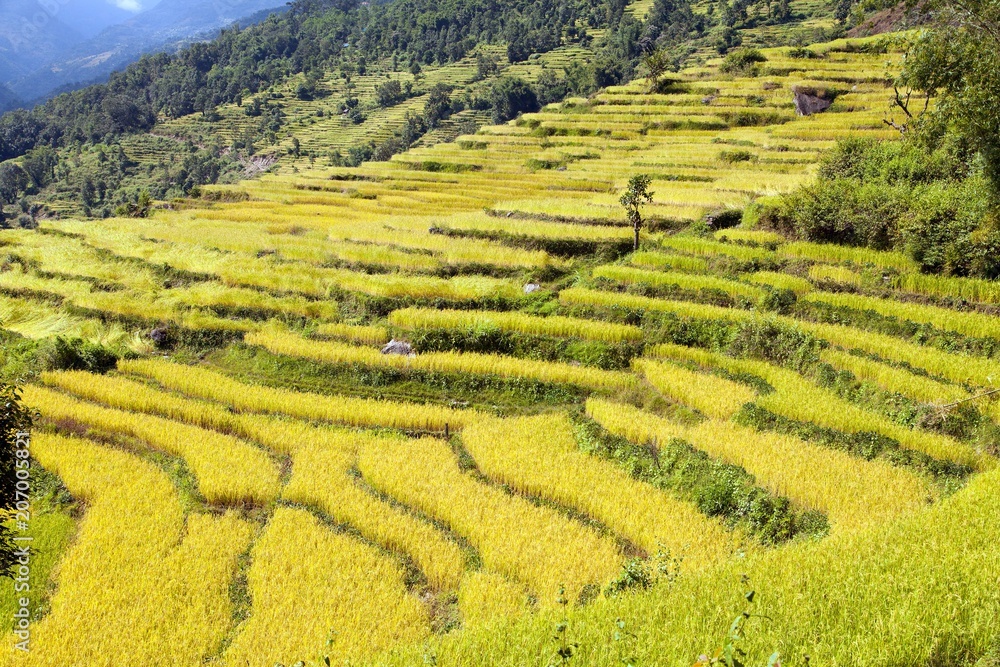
130,5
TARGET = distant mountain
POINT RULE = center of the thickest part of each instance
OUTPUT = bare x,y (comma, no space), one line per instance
90,17
8,100
31,36
167,26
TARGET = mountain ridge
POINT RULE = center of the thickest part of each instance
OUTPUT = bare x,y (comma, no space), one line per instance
167,26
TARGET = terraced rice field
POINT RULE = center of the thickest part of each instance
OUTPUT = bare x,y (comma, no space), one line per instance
261,485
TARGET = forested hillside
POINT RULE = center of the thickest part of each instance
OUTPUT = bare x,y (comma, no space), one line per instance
170,123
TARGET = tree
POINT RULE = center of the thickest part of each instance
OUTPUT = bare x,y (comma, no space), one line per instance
140,207
15,420
40,165
958,61
633,198
438,105
486,65
88,194
657,63
13,181
511,96
549,87
389,93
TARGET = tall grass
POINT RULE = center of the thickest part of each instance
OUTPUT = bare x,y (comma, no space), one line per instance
310,585
139,581
427,318
228,470
628,275
350,411
539,456
448,362
546,550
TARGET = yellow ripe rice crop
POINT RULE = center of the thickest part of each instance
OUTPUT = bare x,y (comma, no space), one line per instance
309,585
697,355
228,470
628,275
216,295
280,342
835,274
970,289
488,596
713,396
322,459
708,248
282,435
124,394
544,551
139,585
911,385
321,478
798,398
539,456
970,324
752,235
632,423
461,288
780,281
428,318
578,296
852,492
833,254
659,260
371,335
959,368
213,385
534,228
946,552
37,320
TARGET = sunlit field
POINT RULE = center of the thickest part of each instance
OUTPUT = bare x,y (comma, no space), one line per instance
575,440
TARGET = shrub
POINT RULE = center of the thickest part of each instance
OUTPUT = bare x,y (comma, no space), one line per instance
733,157
744,62
80,355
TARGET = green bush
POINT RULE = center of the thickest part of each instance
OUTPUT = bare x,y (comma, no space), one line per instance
80,355
935,205
745,62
